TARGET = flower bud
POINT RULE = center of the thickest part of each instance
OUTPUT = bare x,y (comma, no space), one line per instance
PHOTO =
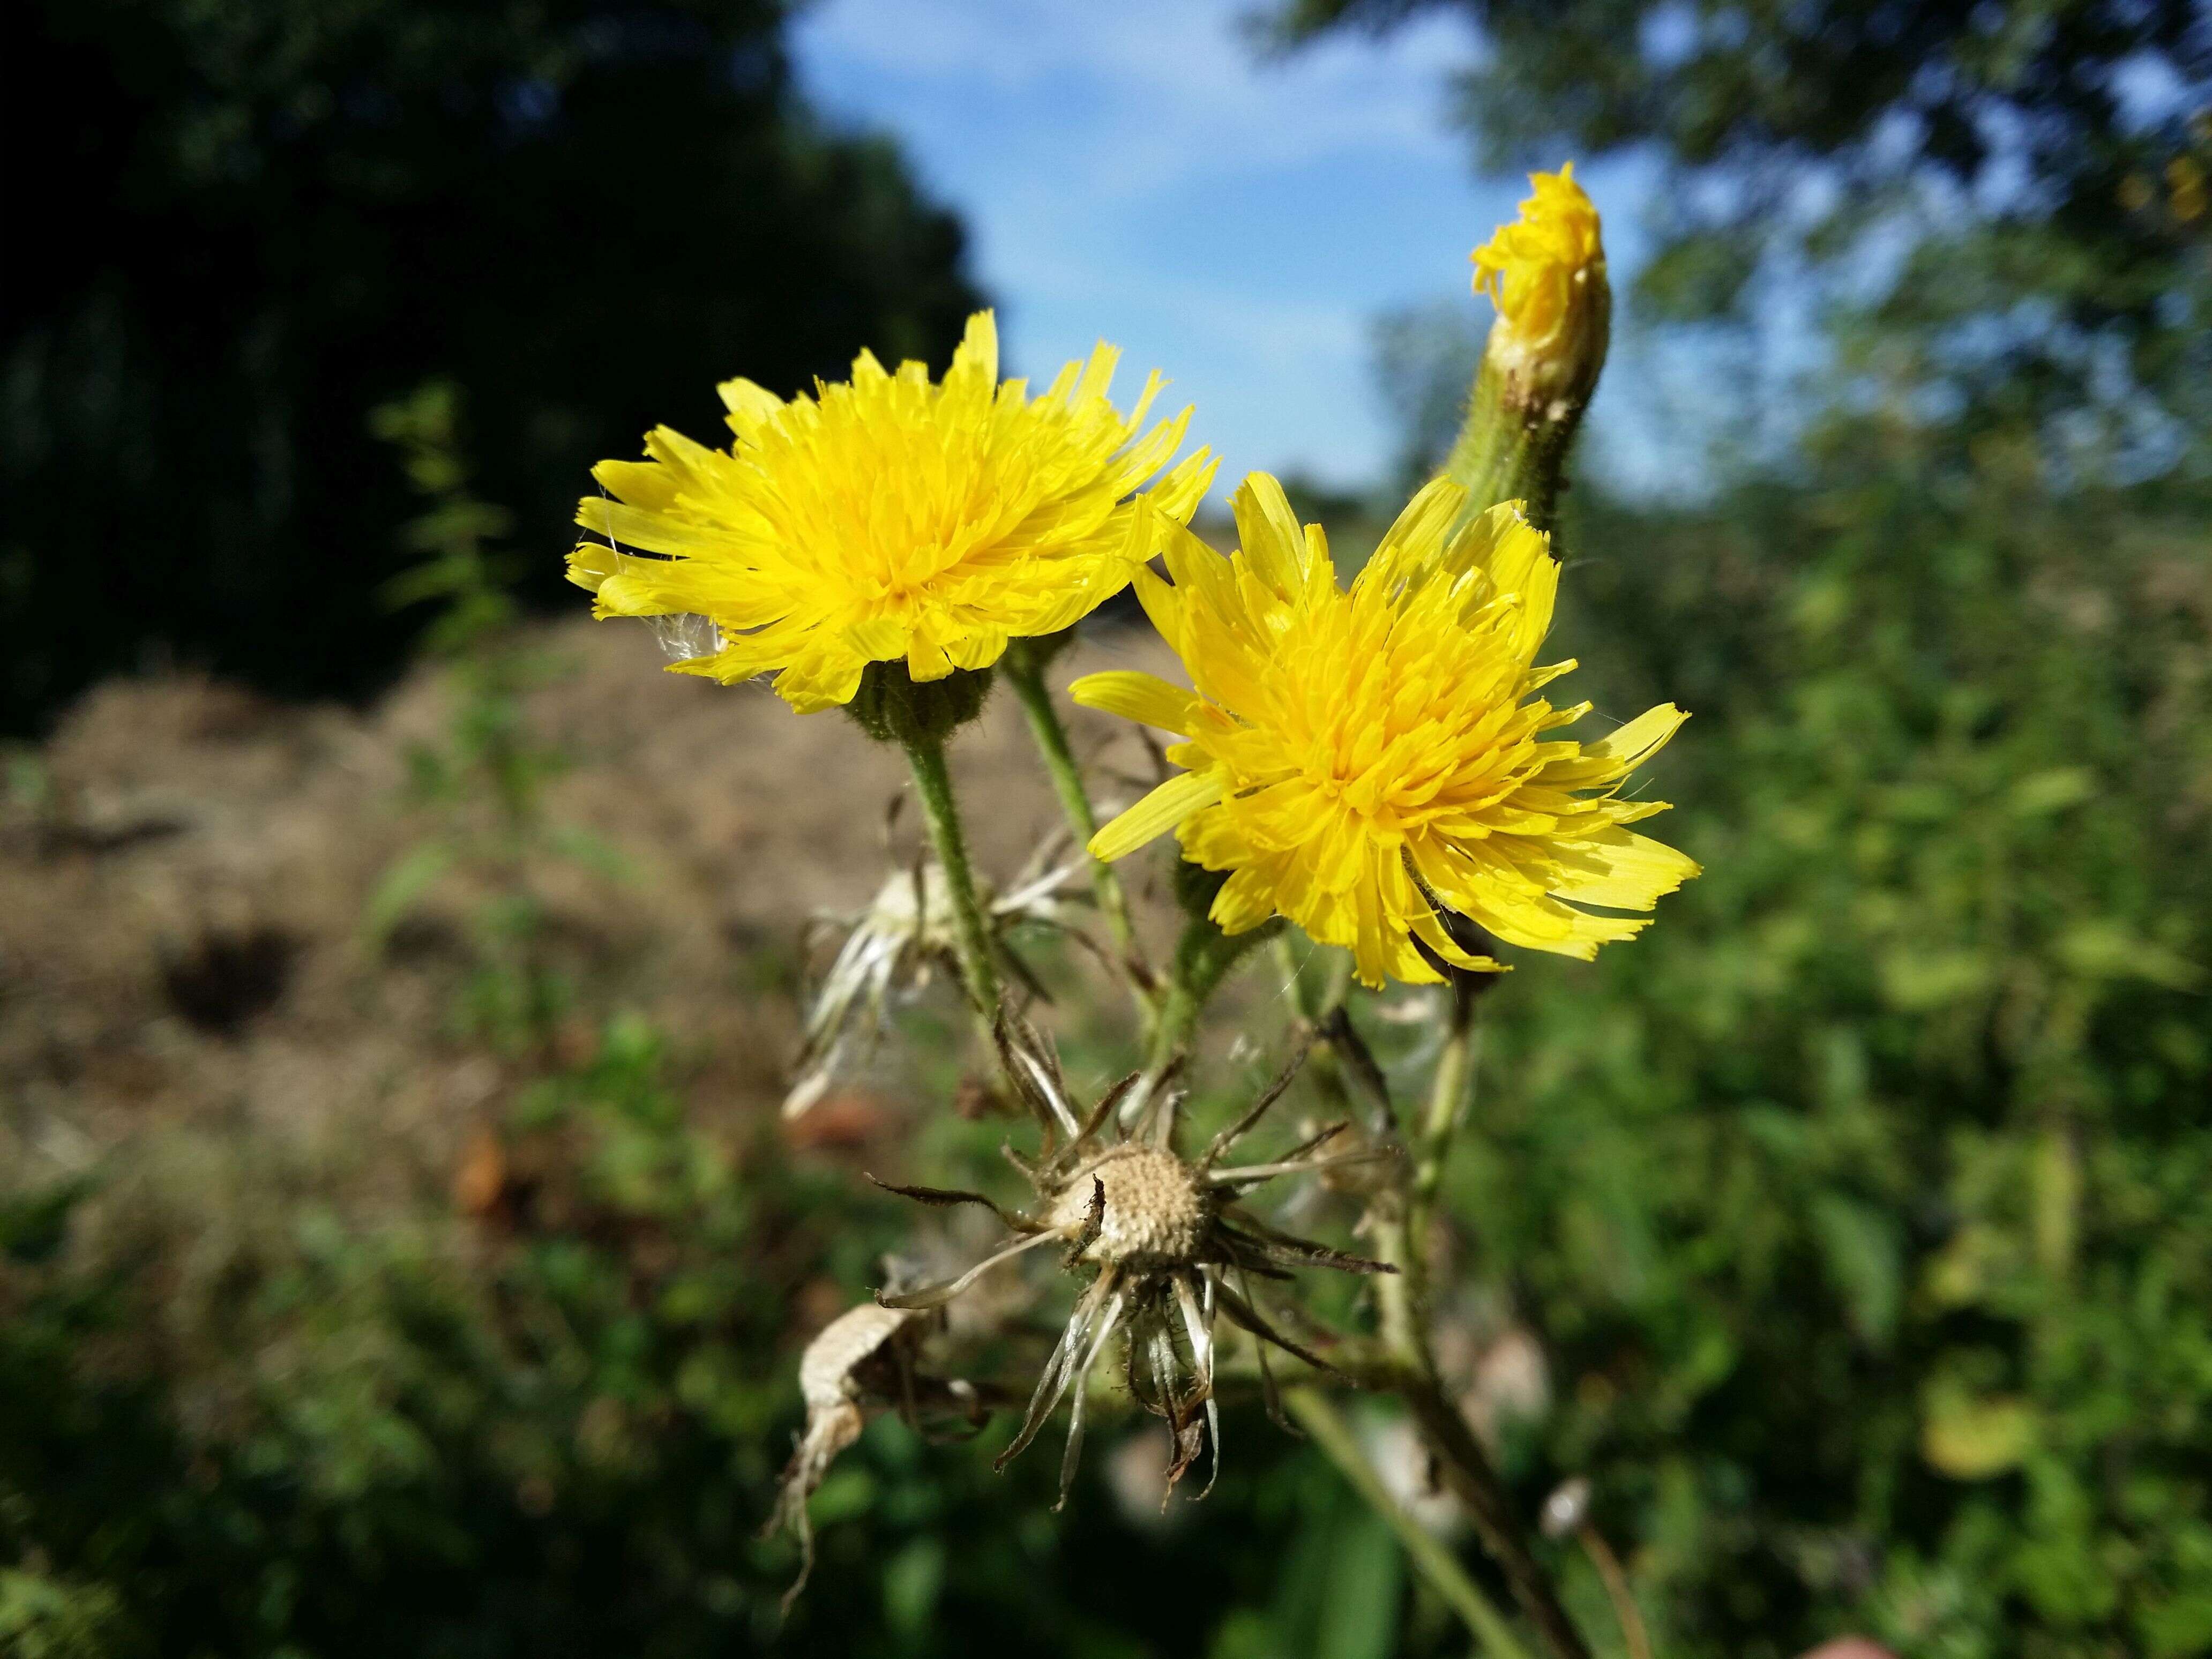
1546,273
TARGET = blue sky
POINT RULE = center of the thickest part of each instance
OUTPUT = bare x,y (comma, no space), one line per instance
1136,171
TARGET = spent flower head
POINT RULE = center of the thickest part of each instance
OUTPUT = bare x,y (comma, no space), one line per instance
1546,272
1370,763
897,944
860,1361
885,519
1164,1240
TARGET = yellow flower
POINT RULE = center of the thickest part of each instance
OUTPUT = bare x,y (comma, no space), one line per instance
1357,759
1546,272
887,519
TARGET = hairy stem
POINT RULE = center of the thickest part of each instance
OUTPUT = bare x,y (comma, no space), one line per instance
1522,416
1320,1417
933,782
1504,454
1029,690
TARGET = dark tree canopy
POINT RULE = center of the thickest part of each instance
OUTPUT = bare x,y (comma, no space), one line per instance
251,223
2038,153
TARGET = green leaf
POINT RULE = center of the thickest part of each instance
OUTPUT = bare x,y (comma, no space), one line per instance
2171,1630
1864,1250
1360,1605
2108,949
396,891
913,1580
1918,982
1970,1437
2041,793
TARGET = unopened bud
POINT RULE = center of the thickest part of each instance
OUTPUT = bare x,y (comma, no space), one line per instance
1546,272
891,705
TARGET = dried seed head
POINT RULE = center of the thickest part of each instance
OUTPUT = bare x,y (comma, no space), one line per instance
1163,1238
1155,1211
863,1361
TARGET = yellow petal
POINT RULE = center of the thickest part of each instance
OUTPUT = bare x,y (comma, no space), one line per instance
1245,900
1269,533
1157,813
1145,698
939,520
1618,752
1621,870
978,352
1416,541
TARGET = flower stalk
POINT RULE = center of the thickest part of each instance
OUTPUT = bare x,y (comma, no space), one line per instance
1446,1104
940,812
1396,1227
1203,959
1508,452
1025,671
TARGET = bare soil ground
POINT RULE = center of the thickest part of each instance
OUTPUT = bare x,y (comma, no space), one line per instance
184,868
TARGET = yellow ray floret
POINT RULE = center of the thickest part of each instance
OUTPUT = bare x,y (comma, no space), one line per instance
1356,759
1540,269
886,518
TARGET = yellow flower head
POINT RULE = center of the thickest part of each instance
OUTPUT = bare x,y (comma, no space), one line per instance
1546,272
1357,759
886,518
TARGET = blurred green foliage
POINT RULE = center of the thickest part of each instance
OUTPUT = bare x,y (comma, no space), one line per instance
485,783
1867,1200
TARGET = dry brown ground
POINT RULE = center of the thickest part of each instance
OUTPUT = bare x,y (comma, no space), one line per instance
183,869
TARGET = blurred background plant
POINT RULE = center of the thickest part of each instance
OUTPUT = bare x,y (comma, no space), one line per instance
1850,1234
486,782
286,217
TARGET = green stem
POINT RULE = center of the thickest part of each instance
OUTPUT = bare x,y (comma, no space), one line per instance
1633,1636
1467,1471
1396,1224
933,782
1448,1088
1398,1304
1320,1419
1504,453
1059,764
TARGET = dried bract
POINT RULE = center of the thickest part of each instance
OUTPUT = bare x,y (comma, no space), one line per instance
863,1361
